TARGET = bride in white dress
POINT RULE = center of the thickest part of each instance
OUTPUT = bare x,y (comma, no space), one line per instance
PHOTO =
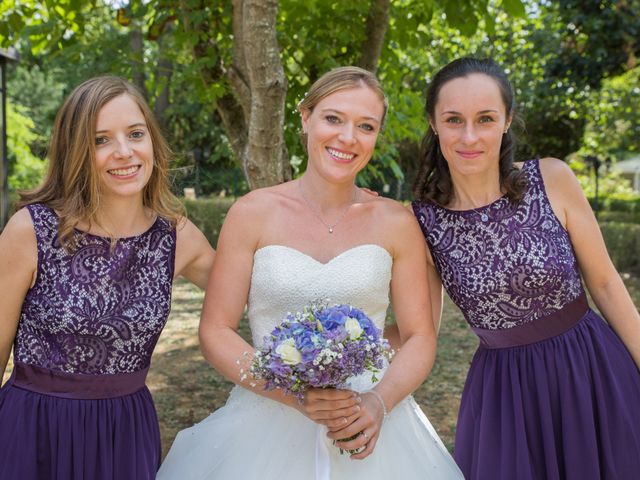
319,237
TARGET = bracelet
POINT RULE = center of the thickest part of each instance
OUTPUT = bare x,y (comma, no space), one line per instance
381,400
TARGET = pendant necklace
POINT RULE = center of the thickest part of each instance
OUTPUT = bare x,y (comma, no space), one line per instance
329,227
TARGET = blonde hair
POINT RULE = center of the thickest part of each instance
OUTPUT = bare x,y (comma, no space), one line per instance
71,186
341,78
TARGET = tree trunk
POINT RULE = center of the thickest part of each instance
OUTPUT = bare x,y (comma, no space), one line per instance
164,70
376,28
265,161
136,43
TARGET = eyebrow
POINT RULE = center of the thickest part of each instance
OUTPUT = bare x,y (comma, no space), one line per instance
480,112
133,125
375,119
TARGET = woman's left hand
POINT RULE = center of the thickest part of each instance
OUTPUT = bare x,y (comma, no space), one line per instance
367,425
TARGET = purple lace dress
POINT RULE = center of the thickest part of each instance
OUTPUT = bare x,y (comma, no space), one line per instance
76,406
552,393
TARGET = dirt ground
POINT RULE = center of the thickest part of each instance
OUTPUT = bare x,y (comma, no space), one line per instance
186,389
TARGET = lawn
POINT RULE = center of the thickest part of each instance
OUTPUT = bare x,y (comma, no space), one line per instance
186,389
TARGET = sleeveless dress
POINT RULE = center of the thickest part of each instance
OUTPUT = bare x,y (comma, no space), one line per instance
253,437
552,392
76,406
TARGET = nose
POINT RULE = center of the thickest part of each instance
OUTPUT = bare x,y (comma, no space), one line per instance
469,134
122,149
347,133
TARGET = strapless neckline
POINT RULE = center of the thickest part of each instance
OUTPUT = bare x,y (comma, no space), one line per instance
349,250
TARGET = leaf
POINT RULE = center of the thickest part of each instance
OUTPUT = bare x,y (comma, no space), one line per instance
514,7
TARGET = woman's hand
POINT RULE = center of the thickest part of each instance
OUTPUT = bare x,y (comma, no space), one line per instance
331,407
367,424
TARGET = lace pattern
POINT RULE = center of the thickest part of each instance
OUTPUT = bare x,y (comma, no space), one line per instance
96,311
503,264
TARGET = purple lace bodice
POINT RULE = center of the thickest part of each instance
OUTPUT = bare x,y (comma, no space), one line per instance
503,264
96,311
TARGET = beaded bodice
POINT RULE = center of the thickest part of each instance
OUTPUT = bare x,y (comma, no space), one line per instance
286,280
504,264
97,310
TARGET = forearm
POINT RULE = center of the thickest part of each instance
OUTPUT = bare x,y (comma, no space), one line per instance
409,368
231,355
613,300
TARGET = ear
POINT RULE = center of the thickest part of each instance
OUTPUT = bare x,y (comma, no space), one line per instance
507,124
304,116
433,127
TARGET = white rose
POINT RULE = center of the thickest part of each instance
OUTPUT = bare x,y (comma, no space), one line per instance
353,328
288,352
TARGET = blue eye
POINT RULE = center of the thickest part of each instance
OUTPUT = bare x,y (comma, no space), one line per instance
101,140
137,134
332,119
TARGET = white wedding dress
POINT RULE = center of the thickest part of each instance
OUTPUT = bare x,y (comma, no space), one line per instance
253,437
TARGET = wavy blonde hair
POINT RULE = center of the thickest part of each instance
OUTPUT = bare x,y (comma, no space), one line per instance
71,185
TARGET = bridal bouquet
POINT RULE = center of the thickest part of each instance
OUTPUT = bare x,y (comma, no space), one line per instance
322,346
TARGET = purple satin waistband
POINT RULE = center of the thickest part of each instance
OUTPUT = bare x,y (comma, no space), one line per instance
76,385
541,329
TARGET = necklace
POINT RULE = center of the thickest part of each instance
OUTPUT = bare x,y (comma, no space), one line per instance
329,227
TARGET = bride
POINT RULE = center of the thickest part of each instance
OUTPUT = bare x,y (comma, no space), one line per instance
319,237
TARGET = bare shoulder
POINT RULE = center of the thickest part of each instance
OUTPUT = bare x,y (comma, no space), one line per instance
20,227
557,175
393,215
18,238
259,202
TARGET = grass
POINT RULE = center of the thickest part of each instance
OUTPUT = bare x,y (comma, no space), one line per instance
186,389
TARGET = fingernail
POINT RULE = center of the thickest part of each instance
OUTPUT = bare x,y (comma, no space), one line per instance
357,408
359,399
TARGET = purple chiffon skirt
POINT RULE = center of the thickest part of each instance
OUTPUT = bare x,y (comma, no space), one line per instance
72,426
563,407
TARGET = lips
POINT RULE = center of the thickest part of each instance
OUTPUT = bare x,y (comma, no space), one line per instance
340,155
469,154
124,172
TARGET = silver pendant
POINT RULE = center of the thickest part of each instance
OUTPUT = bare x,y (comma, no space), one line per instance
484,217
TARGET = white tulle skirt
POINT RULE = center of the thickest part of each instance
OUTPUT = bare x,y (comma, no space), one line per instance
253,437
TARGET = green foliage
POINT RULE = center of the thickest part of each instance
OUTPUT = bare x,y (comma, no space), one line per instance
613,127
610,182
208,215
623,244
26,170
556,53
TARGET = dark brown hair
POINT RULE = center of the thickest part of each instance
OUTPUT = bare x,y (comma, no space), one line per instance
433,181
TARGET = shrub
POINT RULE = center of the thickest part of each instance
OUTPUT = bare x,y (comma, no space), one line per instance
208,215
623,244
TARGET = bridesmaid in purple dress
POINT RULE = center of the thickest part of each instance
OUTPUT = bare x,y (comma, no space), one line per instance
86,269
553,391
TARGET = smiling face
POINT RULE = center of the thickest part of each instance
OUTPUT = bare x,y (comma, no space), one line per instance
470,117
341,132
123,148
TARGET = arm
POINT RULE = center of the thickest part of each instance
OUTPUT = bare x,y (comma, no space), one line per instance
224,303
412,306
392,333
18,263
194,254
601,278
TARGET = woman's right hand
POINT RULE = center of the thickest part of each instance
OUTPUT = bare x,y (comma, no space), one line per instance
331,407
